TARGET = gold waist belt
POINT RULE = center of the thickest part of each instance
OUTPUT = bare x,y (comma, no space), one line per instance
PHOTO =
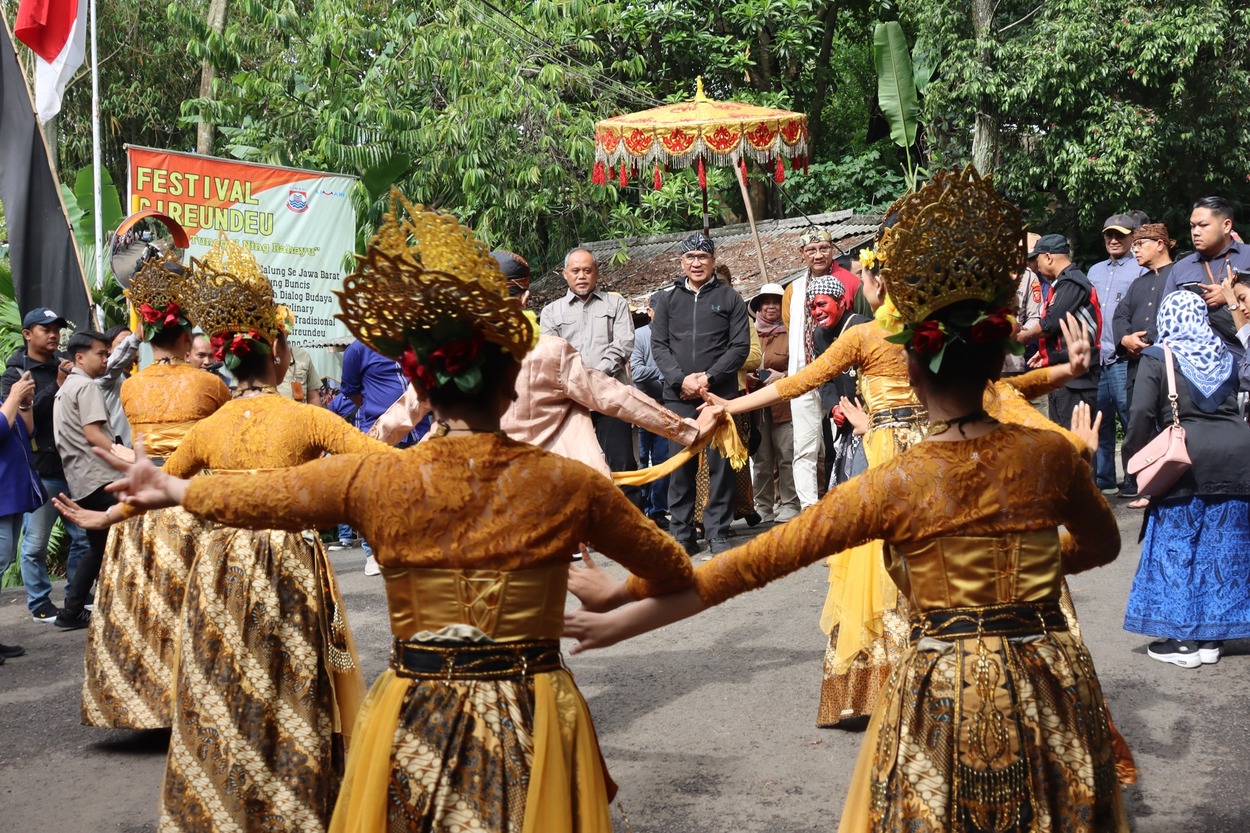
496,661
897,416
1009,619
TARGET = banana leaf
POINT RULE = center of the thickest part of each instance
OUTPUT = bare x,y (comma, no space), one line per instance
896,83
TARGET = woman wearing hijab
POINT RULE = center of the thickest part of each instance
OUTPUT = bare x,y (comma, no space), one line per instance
1192,588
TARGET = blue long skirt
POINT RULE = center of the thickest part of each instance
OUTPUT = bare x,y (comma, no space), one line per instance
1193,580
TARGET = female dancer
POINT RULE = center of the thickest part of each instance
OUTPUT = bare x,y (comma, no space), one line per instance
476,725
993,719
132,643
267,684
865,615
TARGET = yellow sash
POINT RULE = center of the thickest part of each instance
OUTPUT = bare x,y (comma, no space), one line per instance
724,439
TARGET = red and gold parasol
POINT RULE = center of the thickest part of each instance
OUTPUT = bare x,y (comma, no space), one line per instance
697,133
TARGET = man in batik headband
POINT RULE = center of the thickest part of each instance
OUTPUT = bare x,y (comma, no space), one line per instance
816,246
700,337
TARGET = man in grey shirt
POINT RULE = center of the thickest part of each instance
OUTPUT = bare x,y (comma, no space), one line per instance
600,328
80,423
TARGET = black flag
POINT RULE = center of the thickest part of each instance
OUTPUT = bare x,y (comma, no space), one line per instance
46,268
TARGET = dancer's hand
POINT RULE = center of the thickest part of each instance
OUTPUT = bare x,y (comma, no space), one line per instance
599,630
83,518
710,416
144,486
855,415
1080,349
594,588
593,630
1083,427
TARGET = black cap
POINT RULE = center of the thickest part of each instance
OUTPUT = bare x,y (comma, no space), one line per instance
512,265
1050,244
1123,223
44,316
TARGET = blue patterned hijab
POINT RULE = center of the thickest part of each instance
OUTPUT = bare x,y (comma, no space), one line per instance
1183,326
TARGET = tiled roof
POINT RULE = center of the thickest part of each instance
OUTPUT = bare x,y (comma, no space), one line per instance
650,263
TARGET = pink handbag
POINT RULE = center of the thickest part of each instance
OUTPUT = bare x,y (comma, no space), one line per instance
1162,461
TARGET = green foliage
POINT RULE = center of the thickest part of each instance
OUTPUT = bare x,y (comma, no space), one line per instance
1101,108
896,83
144,77
79,205
896,89
866,182
10,317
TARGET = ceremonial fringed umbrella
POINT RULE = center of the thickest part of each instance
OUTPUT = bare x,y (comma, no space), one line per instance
698,133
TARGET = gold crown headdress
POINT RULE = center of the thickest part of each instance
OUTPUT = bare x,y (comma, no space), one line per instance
231,293
424,281
955,240
158,294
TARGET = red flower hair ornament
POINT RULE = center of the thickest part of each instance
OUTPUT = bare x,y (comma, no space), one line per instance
929,338
155,320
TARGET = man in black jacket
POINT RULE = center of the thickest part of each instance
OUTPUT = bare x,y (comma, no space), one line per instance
41,329
700,337
1070,292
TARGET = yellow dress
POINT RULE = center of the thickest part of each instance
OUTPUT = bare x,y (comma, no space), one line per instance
132,641
474,535
993,719
864,614
267,685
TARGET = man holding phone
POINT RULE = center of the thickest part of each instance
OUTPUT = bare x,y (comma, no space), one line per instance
41,330
1217,256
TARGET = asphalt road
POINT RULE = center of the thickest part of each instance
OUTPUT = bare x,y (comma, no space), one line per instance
708,725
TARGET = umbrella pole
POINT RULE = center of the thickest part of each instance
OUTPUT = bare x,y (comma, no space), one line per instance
746,201
707,230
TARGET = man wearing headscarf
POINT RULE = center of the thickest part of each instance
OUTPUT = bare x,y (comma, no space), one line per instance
829,319
807,415
700,337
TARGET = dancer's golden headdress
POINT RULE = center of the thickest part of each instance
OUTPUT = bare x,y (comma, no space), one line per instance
158,295
955,240
231,293
427,293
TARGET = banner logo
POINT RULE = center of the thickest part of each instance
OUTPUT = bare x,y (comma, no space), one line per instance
297,201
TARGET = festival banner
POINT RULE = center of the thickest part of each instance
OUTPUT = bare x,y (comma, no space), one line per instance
300,225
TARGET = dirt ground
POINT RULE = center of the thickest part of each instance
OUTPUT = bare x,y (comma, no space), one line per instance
708,725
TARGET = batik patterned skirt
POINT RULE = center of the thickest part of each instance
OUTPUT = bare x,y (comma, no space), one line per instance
867,619
267,688
463,756
133,639
994,734
1193,580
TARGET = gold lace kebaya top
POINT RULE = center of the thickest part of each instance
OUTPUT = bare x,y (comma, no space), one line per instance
1011,488
163,401
266,432
1009,402
864,347
480,502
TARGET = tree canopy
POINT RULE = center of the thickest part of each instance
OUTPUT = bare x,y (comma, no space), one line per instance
486,108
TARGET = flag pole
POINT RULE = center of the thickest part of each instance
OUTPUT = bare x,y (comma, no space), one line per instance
95,161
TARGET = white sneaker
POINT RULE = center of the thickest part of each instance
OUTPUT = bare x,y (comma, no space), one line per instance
786,515
1209,652
371,566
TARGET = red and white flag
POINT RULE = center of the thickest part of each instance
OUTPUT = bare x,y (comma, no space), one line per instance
56,31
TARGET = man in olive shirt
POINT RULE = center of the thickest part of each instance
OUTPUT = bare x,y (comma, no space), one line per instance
80,423
600,327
